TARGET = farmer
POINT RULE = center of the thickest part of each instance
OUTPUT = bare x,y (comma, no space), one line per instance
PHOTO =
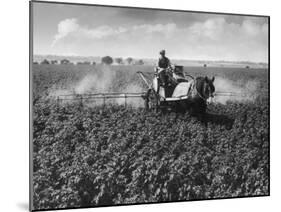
163,64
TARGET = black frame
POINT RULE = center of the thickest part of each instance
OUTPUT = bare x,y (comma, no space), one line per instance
129,7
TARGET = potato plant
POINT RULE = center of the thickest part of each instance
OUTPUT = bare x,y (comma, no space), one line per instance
116,155
93,156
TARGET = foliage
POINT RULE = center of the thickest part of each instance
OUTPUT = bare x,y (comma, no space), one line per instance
89,156
129,60
139,62
107,60
119,60
64,61
45,61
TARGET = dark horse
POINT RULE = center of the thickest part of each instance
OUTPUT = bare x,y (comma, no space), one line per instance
201,89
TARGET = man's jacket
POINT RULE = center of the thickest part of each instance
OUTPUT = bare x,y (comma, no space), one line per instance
163,62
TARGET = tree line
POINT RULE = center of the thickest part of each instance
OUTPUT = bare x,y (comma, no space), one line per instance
107,60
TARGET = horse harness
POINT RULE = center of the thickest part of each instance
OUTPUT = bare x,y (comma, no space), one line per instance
193,89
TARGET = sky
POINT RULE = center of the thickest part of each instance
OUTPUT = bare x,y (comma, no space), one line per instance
79,30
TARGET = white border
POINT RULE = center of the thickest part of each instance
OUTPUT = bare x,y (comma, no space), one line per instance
15,105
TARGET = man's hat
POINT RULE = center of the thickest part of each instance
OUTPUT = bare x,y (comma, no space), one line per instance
162,51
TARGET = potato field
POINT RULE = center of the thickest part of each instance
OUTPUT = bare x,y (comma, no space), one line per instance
93,155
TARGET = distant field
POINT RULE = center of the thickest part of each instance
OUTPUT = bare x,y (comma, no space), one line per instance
51,77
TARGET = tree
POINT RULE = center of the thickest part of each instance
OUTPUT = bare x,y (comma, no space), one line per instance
107,60
83,63
45,61
119,60
129,60
87,63
54,62
64,61
139,62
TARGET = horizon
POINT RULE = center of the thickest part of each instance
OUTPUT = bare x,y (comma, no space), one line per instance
142,33
138,58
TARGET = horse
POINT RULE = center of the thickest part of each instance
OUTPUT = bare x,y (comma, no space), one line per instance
199,90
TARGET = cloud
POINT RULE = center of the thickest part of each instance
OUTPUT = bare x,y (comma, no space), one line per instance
70,27
102,31
218,39
162,28
213,38
66,27
219,29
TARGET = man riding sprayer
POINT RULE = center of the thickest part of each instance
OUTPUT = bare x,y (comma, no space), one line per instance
169,75
163,64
